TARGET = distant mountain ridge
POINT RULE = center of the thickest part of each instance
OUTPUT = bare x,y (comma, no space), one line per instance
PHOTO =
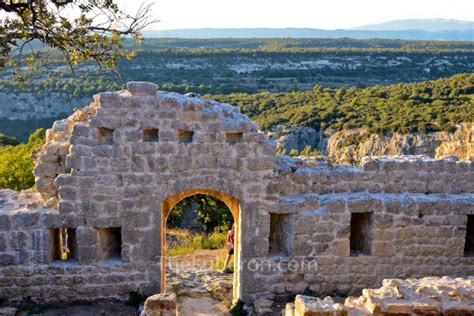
309,33
415,29
428,25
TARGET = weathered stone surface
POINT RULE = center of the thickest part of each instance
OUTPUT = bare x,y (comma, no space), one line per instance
426,296
310,306
295,213
142,88
437,144
8,311
161,305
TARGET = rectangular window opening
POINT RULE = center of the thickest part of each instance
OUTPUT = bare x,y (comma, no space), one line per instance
279,241
469,243
110,243
361,234
234,138
185,136
63,244
106,136
150,135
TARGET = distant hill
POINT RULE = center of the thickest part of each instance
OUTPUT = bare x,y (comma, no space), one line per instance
428,25
450,35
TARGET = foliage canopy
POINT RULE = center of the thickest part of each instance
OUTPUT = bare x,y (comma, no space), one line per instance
427,106
212,213
16,163
82,30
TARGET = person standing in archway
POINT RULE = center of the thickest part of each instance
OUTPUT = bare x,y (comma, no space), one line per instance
230,247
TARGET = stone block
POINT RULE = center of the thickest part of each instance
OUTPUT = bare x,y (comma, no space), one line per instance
161,305
5,222
6,259
3,243
311,306
86,236
45,187
87,254
8,311
67,193
66,207
44,169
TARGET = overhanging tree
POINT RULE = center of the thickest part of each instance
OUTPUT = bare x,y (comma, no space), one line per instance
83,30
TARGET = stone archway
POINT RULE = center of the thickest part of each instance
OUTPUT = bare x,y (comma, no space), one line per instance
234,206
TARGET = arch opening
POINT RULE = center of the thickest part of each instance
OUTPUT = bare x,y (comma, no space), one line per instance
230,202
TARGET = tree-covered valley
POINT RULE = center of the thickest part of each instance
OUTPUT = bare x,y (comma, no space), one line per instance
31,98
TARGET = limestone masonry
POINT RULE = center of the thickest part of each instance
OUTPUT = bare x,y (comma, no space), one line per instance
108,174
427,296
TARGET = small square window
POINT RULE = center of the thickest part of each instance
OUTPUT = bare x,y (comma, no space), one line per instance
469,242
185,136
361,234
110,243
279,241
63,244
234,138
150,135
106,136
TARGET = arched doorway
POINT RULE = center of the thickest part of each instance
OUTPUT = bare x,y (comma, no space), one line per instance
234,206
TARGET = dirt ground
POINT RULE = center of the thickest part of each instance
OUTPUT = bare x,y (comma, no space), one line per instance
201,258
201,306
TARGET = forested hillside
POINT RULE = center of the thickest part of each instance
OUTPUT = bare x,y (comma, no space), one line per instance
404,108
33,98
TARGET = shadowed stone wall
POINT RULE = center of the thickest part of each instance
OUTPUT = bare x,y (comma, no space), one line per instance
112,164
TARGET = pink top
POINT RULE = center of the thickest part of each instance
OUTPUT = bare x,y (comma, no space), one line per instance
230,239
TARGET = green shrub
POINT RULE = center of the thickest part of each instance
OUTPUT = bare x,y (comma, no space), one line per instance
212,213
308,152
294,153
184,242
428,106
16,163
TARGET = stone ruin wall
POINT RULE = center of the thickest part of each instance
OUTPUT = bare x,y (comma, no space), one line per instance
97,172
419,217
426,296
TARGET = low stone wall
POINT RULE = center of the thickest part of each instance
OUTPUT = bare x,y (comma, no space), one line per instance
404,174
426,296
28,269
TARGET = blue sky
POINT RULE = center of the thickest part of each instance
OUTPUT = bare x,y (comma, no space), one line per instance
327,14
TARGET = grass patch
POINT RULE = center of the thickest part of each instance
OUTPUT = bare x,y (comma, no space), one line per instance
182,241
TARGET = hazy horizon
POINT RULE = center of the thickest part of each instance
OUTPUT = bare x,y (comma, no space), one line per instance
337,14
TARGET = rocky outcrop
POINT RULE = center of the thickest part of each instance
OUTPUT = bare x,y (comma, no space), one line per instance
426,296
298,137
462,146
351,146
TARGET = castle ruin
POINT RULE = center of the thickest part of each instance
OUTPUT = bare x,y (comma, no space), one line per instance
108,176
